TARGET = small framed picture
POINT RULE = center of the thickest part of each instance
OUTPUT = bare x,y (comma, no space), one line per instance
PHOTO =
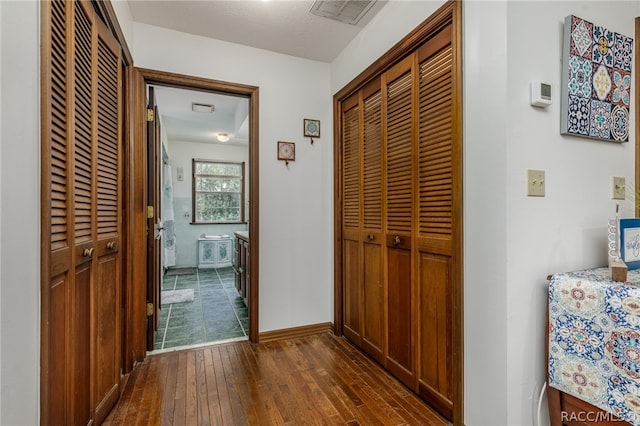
311,128
630,242
286,151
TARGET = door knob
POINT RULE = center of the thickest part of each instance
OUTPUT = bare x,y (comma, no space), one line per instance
396,241
88,252
111,245
370,237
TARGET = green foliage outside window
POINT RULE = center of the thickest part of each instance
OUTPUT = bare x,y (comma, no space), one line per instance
218,191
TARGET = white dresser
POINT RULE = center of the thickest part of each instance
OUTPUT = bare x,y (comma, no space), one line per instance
215,252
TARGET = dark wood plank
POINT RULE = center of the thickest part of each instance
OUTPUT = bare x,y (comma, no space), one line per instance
179,408
201,390
319,379
191,390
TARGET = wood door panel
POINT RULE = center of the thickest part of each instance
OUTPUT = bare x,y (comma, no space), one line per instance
435,360
107,361
352,296
80,352
57,354
399,323
373,303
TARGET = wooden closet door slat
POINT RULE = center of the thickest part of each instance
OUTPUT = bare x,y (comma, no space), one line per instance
399,182
436,146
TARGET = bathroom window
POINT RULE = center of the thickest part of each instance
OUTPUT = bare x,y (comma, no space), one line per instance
218,192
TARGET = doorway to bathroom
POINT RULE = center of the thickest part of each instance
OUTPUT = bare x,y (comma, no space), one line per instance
202,186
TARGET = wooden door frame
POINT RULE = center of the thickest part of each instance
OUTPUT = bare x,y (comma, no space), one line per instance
137,80
450,12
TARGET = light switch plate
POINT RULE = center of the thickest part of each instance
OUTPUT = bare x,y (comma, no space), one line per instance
535,183
619,188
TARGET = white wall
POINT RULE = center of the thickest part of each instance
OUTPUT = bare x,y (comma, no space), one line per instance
0,214
485,209
296,202
394,21
181,155
20,216
125,19
566,230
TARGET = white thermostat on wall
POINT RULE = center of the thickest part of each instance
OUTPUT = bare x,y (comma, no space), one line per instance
540,94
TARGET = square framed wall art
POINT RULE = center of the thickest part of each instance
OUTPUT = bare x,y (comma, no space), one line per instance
596,81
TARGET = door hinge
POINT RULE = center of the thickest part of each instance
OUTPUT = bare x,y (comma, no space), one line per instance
149,114
149,309
149,212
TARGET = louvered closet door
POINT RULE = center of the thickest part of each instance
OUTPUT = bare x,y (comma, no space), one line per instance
351,190
108,197
401,178
57,171
372,237
82,130
398,93
435,238
80,193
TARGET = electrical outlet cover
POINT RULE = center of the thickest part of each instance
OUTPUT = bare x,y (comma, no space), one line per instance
535,183
619,188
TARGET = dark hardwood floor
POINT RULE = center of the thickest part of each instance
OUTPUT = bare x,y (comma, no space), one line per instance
320,379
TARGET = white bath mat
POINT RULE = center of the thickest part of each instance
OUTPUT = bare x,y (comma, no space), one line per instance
177,296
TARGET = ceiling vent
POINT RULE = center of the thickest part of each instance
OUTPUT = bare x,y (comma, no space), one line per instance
205,108
348,12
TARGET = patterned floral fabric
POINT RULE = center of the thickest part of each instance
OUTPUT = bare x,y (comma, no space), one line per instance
594,340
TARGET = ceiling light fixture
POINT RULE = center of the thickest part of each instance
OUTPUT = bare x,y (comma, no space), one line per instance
204,108
223,137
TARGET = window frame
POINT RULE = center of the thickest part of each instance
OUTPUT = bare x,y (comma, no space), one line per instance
195,161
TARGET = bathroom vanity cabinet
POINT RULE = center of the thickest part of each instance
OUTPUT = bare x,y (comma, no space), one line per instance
241,265
214,252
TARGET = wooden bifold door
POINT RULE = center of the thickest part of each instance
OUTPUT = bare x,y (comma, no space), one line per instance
81,215
400,179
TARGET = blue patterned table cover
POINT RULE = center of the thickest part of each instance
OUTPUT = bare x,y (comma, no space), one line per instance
594,340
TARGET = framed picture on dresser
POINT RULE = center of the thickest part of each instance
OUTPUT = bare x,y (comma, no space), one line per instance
630,242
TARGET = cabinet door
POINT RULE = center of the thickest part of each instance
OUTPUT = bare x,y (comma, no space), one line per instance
237,262
223,253
206,253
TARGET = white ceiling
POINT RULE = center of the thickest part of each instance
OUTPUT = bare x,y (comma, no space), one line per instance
230,115
283,26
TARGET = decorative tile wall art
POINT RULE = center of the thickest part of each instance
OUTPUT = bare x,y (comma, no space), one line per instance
596,81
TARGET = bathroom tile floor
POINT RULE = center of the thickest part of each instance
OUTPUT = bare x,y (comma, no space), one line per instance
216,313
